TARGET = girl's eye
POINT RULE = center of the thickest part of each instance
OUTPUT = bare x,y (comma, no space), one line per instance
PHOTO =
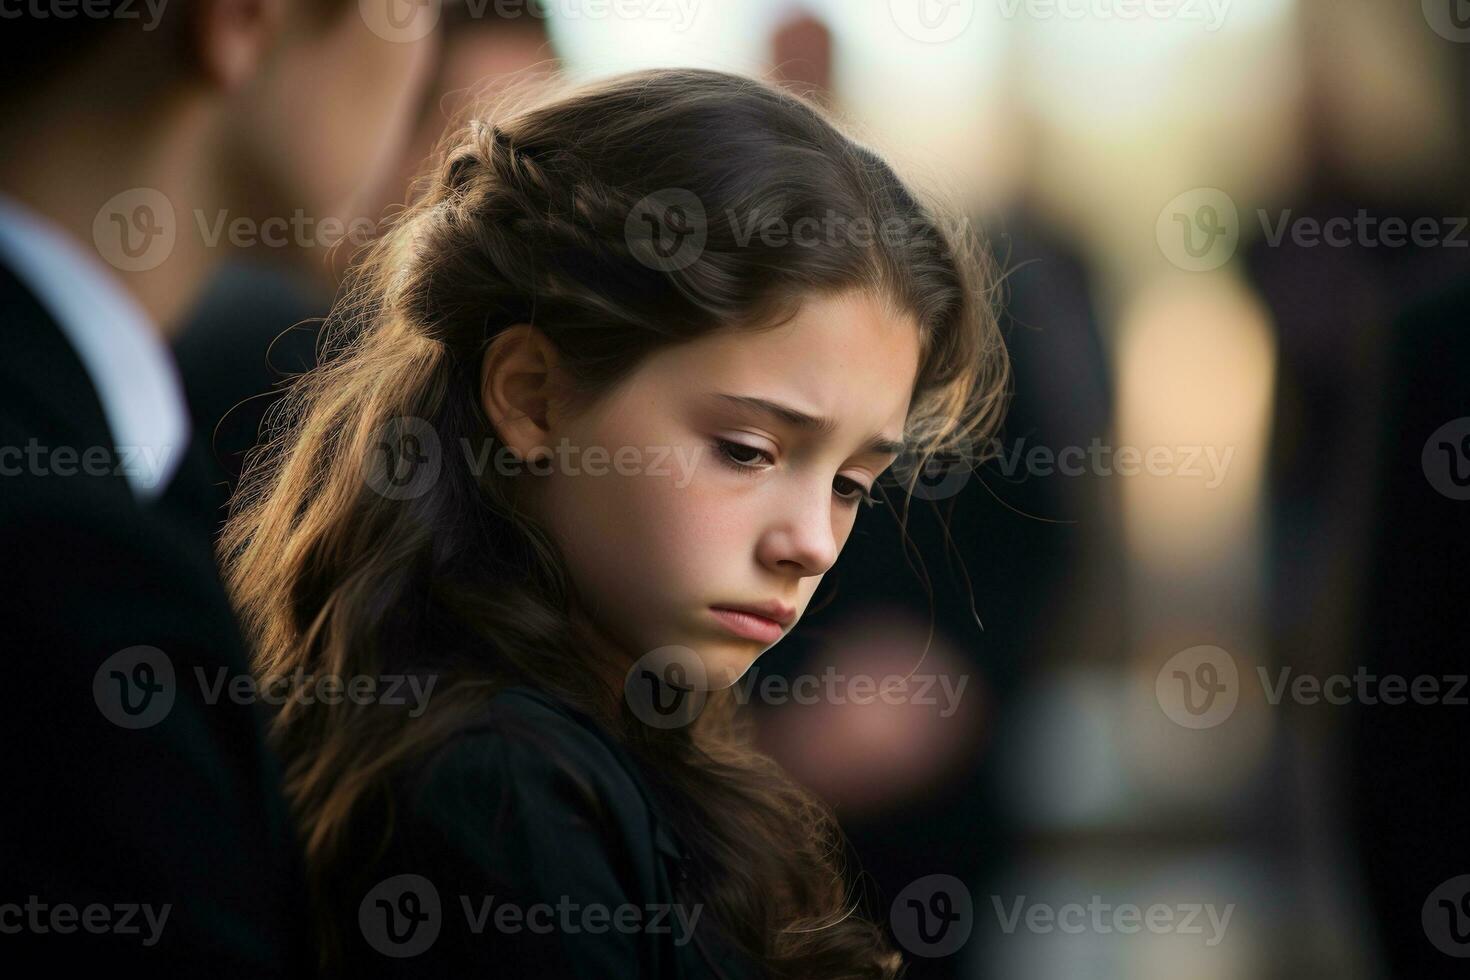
746,459
733,454
856,494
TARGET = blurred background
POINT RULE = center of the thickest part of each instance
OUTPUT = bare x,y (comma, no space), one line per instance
1160,625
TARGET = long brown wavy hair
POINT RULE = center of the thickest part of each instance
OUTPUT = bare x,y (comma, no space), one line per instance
526,219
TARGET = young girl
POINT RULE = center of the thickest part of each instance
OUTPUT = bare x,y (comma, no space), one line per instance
603,405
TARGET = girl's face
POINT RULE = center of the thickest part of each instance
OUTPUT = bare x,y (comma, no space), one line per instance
695,485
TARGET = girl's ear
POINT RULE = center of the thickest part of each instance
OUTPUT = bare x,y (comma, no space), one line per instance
517,384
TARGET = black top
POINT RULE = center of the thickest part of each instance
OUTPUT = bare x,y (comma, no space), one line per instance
130,788
530,844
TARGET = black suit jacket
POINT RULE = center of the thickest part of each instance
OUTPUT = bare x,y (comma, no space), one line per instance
513,850
131,787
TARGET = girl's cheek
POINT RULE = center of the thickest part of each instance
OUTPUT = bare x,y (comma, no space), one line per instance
696,531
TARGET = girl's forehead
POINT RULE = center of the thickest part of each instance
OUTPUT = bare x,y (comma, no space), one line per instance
841,358
850,333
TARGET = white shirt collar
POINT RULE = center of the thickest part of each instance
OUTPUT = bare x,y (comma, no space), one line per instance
132,369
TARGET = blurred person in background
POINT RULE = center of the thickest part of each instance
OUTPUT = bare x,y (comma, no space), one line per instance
145,828
1407,767
258,321
801,54
1367,537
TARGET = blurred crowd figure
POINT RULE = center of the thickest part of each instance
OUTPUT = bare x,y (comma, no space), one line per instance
1367,551
1407,770
128,790
257,325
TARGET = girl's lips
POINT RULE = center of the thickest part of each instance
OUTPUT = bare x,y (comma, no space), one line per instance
748,625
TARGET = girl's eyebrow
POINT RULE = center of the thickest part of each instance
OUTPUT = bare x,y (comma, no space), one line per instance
878,444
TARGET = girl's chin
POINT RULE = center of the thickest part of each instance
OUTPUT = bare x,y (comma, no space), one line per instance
723,669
